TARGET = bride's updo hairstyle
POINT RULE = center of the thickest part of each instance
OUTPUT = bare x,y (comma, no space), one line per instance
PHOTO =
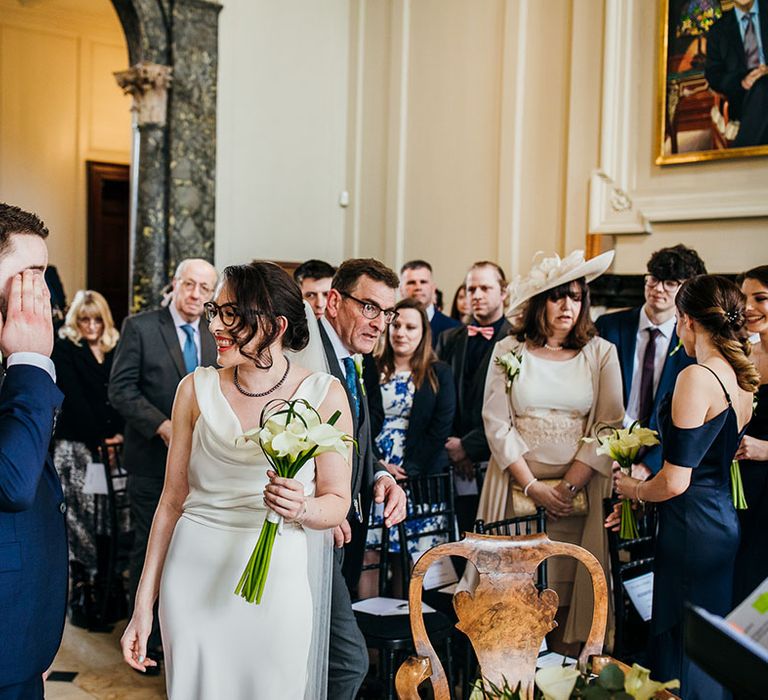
717,305
262,292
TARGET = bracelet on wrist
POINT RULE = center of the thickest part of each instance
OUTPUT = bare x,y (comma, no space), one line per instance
528,485
571,488
637,493
299,519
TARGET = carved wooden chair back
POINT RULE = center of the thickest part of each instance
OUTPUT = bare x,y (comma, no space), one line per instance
506,617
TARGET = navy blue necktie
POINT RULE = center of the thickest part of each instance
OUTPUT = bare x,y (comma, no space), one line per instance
190,349
351,372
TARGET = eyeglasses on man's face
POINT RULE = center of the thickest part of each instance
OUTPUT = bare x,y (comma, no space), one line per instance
191,285
371,310
226,312
668,285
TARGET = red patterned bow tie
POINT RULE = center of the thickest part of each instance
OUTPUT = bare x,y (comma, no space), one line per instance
485,331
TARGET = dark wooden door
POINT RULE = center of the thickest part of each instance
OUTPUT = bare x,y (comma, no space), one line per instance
108,234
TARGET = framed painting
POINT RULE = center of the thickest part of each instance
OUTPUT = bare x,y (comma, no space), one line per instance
712,80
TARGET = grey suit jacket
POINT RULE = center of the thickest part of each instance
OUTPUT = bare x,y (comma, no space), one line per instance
147,368
362,458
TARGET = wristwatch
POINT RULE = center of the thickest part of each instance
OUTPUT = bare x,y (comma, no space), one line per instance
571,488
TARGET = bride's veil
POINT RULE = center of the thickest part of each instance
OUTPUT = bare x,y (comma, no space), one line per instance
319,547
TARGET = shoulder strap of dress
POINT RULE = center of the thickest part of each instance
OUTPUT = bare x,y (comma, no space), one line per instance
722,386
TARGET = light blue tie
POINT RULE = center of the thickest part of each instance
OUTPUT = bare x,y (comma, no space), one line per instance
351,372
190,349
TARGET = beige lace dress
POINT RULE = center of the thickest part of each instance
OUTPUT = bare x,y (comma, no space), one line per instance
543,417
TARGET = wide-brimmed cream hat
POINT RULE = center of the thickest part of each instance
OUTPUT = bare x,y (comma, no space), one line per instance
548,273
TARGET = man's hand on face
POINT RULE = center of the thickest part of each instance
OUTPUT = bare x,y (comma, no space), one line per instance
27,326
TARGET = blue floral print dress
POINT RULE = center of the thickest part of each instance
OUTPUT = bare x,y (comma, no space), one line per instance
397,399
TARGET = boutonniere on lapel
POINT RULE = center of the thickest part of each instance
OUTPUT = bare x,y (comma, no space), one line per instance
677,348
358,360
510,364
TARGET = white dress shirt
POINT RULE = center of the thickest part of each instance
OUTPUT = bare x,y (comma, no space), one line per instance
181,334
338,347
662,350
35,359
430,311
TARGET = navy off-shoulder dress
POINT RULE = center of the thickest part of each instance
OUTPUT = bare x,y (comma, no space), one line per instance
697,542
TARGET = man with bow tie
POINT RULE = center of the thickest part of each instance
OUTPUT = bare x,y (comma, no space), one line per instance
468,350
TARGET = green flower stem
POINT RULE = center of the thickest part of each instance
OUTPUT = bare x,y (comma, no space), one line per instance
737,487
628,529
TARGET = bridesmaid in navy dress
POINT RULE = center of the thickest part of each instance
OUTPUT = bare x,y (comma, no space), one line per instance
752,559
701,426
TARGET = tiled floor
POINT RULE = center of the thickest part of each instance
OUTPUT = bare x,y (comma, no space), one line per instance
101,672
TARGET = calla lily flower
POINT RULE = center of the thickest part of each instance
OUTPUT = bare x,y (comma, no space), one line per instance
639,685
557,682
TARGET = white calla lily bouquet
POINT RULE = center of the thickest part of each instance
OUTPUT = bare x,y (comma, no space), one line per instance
290,434
622,445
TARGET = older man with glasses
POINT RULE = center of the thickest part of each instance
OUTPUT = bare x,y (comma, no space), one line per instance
360,306
156,350
645,338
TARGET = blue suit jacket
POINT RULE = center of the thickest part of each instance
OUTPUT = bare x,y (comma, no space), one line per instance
33,537
620,328
439,323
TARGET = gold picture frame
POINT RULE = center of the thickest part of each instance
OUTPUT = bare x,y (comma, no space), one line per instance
693,122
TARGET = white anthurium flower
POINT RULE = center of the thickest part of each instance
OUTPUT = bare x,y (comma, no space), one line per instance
557,682
639,685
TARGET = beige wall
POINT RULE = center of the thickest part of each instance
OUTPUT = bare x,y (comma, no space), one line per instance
282,130
468,129
60,106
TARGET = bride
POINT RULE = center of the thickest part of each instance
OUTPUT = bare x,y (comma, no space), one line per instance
216,495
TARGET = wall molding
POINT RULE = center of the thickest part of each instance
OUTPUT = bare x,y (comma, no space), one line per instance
617,204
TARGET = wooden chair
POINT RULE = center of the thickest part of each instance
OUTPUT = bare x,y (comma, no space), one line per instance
506,618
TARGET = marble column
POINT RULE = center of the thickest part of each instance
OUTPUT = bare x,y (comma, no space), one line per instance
148,84
192,134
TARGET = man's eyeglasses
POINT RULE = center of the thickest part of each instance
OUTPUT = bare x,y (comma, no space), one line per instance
226,312
190,285
372,311
669,285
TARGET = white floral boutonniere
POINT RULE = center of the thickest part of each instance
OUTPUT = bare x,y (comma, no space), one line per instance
358,360
510,364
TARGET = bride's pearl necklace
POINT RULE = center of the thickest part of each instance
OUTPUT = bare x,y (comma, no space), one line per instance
553,348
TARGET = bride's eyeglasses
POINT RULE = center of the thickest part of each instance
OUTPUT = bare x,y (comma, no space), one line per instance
226,312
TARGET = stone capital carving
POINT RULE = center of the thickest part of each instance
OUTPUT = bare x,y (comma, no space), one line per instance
148,84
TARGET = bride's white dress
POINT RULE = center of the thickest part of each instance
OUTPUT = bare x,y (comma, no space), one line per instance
216,644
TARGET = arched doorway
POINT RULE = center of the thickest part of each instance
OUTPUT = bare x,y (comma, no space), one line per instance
174,160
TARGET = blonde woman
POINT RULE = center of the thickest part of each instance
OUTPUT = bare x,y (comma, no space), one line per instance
83,359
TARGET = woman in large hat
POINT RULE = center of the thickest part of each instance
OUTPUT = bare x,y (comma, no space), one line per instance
551,380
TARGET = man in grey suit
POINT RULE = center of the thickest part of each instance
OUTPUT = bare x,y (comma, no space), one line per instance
156,350
360,306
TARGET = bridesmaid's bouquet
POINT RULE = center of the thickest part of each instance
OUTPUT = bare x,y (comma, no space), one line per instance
622,445
290,434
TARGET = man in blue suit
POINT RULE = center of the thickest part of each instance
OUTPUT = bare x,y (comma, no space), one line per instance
416,283
645,337
33,542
